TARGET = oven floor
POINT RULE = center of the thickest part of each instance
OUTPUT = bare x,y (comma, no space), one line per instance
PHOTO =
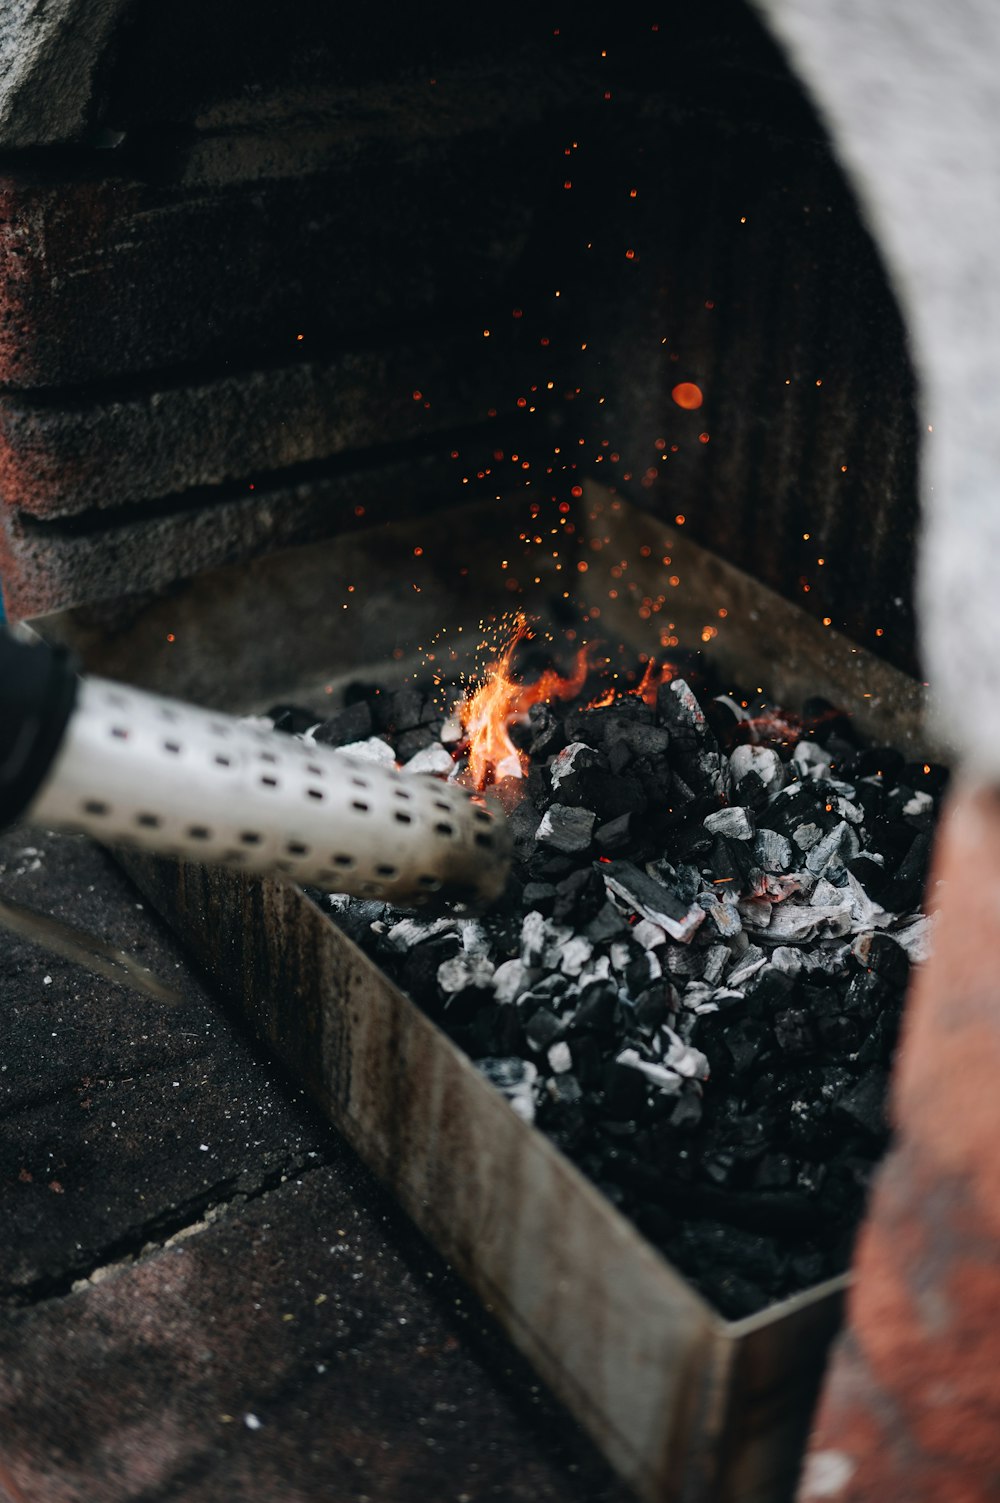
203,1295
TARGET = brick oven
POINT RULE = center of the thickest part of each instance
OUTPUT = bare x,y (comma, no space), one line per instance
286,285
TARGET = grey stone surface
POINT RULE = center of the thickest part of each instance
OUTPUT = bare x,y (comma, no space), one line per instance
50,51
911,92
250,1319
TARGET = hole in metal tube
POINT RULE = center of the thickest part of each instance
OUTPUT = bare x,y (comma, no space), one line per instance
198,832
360,805
316,793
360,783
250,837
296,848
269,782
387,871
150,821
171,746
429,882
268,757
443,829
483,839
402,818
401,793
317,772
440,804
343,860
94,806
222,761
119,732
482,816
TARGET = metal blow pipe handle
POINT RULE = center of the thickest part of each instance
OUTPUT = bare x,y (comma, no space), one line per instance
138,769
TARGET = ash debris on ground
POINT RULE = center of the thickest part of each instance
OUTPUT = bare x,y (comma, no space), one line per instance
695,981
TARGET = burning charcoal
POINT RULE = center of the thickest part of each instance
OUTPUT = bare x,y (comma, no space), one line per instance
879,761
542,1029
752,961
353,723
434,758
565,829
463,975
810,760
546,732
694,750
733,822
648,741
864,1106
511,980
878,1047
620,756
772,852
889,960
291,719
649,898
579,897
515,1079
576,952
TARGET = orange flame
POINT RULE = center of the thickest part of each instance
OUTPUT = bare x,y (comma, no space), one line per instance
499,699
654,676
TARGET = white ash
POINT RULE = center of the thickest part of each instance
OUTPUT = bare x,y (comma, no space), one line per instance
575,954
409,931
514,1078
373,749
917,937
434,759
465,973
565,761
559,1057
566,829
512,979
920,803
761,760
649,935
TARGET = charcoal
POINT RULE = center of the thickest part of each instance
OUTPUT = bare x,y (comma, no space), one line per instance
542,1029
607,924
864,1106
653,1007
596,1007
879,761
405,709
545,732
624,1092
794,1031
759,762
539,895
421,739
733,822
565,829
353,723
714,1003
768,991
292,719
902,892
579,897
650,899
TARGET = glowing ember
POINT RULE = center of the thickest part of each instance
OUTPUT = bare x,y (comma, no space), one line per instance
500,699
687,395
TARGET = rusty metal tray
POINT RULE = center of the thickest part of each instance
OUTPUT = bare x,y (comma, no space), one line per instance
687,1406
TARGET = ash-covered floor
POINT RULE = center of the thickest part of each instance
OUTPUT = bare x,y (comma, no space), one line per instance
203,1295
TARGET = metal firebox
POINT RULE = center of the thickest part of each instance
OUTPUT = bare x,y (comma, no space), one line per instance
685,1404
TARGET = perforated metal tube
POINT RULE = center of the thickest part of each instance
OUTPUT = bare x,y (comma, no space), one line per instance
138,769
